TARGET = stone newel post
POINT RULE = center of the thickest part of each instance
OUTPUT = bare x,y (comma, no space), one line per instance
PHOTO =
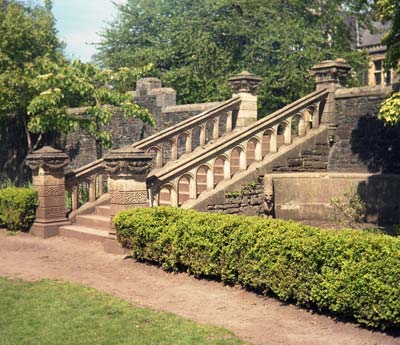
330,75
47,166
245,85
127,169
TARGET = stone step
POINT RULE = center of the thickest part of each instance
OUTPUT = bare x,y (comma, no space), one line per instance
84,233
94,221
103,210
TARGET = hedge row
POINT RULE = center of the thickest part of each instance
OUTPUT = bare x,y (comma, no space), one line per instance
17,208
349,273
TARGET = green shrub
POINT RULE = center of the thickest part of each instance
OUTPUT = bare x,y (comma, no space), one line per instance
17,208
349,273
349,210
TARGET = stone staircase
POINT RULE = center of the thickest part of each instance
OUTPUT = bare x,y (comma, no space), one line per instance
94,226
200,159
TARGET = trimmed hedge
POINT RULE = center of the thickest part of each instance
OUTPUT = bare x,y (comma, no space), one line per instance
349,273
17,208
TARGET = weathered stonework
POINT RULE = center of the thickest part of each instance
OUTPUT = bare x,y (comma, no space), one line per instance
47,166
362,143
249,200
160,101
127,168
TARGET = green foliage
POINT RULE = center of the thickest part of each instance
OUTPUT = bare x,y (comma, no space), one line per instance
53,313
350,273
86,85
349,210
18,208
389,10
196,45
38,85
28,41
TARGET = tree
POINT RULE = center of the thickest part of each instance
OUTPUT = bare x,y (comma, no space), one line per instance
83,84
38,85
27,39
389,11
196,45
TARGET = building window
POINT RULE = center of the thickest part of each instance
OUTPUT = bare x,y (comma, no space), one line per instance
388,79
378,67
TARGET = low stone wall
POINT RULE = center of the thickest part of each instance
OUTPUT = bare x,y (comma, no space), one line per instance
307,196
249,201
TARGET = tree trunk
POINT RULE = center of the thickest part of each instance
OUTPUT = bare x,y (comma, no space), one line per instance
99,149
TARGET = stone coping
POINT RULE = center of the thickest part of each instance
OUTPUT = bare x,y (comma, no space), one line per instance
191,107
363,91
333,174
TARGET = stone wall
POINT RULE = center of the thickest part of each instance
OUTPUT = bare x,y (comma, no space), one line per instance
307,196
311,155
160,101
248,200
362,142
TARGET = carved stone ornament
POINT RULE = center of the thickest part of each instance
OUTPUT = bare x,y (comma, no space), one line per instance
47,158
127,160
268,202
330,71
244,82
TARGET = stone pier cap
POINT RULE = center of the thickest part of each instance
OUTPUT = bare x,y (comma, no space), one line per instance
47,158
331,71
244,82
127,160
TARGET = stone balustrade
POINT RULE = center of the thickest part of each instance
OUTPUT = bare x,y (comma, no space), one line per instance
241,110
86,184
203,171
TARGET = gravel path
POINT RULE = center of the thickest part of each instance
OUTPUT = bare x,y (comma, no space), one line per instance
253,318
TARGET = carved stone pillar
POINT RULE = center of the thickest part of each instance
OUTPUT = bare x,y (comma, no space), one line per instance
47,166
245,85
330,75
127,169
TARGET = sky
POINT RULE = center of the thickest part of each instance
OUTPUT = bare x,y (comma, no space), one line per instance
78,23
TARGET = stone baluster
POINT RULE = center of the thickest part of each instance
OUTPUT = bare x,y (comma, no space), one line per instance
215,133
227,169
48,179
302,127
210,179
127,170
174,149
92,189
188,144
258,151
159,157
245,85
229,123
75,198
287,134
203,134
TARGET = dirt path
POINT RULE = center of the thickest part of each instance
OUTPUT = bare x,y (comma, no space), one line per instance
253,318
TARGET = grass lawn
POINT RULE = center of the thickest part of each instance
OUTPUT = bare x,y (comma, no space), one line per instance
52,313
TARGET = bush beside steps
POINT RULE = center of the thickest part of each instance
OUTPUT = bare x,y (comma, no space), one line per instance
349,273
17,208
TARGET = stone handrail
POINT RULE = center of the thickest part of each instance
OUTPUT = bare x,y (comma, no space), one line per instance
237,151
92,175
215,119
